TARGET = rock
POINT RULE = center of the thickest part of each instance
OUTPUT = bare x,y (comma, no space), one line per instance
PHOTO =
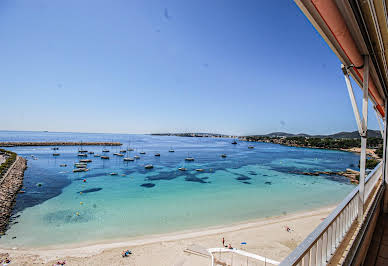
147,185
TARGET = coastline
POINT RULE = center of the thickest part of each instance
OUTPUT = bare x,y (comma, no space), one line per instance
262,235
10,185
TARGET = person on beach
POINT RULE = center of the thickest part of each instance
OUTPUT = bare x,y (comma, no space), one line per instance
126,253
230,246
288,229
223,242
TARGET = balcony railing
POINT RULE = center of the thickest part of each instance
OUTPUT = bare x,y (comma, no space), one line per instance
319,247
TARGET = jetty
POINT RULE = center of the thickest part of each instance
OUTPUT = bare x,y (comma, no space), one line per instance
10,184
60,143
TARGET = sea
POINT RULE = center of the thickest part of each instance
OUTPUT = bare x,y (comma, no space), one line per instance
60,207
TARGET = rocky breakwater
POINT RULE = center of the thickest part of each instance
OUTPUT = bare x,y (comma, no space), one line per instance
10,185
351,174
58,143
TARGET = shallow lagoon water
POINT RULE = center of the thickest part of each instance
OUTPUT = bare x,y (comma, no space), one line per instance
247,184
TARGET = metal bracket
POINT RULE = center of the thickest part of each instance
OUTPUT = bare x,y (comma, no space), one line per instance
352,100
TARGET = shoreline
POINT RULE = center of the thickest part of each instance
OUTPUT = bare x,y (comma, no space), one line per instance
10,185
87,251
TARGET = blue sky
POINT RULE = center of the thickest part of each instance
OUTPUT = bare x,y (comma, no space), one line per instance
234,67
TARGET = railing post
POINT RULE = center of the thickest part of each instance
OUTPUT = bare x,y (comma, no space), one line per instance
363,133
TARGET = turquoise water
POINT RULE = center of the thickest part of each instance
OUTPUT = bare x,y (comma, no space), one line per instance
247,184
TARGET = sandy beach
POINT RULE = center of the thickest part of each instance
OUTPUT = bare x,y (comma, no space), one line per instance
266,237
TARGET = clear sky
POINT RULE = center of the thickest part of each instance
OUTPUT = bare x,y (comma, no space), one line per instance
233,67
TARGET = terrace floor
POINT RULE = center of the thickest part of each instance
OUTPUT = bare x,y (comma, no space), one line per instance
378,250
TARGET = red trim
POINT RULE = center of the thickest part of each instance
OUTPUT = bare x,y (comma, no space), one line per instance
356,70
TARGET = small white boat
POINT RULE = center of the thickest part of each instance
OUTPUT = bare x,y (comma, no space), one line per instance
82,155
189,159
105,157
80,170
105,150
182,169
128,159
136,157
56,154
123,151
199,170
91,152
149,166
129,149
157,154
96,155
63,165
113,174
251,147
142,152
85,161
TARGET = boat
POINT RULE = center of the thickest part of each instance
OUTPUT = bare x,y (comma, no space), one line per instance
129,146
96,155
55,148
119,154
199,170
105,150
91,152
56,154
149,166
80,170
82,155
80,165
85,161
234,142
123,151
171,150
128,159
116,153
223,155
136,157
82,151
142,152
182,169
157,154
251,147
189,158
113,174
105,157
63,165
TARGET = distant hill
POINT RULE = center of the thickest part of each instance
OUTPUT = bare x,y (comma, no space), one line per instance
339,135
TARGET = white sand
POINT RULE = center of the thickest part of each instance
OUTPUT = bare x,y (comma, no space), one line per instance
265,237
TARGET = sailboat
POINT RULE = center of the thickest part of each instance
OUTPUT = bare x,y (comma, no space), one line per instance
188,158
129,146
171,150
81,150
